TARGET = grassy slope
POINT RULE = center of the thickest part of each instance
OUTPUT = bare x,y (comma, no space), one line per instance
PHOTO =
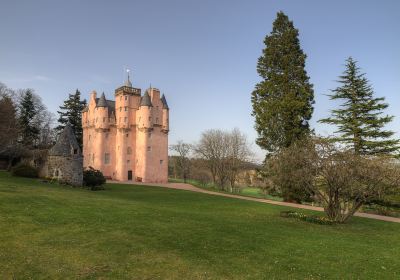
51,231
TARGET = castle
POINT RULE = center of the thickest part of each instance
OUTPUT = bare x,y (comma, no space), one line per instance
127,139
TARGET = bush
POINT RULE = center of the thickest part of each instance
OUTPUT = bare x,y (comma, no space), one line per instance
93,179
24,170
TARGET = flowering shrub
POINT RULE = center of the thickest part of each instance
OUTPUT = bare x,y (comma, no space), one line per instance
304,217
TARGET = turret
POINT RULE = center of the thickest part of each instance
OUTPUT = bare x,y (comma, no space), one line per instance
144,120
102,112
165,114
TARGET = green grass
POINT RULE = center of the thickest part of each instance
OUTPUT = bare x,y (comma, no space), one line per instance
138,232
244,191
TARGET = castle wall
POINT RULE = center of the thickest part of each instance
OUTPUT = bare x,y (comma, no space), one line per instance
66,169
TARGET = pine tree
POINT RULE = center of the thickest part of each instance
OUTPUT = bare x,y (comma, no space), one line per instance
27,120
283,100
71,111
359,120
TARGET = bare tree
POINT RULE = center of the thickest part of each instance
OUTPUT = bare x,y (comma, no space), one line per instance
225,153
183,151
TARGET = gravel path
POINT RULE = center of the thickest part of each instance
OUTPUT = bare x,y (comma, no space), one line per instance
188,187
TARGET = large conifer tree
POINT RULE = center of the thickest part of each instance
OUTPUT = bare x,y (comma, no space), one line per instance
71,111
360,118
28,112
283,100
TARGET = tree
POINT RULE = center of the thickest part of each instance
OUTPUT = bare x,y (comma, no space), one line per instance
225,154
182,159
9,128
71,111
359,120
283,100
339,179
27,119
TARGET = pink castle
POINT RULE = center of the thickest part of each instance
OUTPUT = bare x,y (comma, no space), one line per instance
127,139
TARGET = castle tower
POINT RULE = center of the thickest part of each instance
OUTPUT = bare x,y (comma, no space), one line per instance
127,139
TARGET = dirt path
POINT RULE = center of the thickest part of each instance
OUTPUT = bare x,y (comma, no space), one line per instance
188,187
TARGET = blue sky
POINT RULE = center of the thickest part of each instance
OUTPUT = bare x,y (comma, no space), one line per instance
201,54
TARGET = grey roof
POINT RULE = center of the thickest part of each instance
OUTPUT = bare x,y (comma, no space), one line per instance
109,103
128,82
164,102
102,102
145,100
66,143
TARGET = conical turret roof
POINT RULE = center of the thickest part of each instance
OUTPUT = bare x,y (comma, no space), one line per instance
66,143
102,101
164,102
145,100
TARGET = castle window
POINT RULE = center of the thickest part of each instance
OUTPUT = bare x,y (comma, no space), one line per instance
125,119
106,158
149,119
128,161
149,135
149,148
126,109
92,157
161,161
75,151
120,109
106,135
104,119
120,98
129,151
126,97
127,135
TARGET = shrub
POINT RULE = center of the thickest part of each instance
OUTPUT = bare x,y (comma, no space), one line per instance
93,179
24,170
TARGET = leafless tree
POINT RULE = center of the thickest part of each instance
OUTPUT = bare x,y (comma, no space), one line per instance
183,151
224,152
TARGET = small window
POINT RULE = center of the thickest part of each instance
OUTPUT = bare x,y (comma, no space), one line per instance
161,161
127,135
148,148
106,158
120,109
128,161
125,119
120,98
126,97
104,119
149,119
149,135
75,151
106,135
129,151
126,109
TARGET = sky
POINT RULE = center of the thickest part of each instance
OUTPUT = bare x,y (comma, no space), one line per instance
201,54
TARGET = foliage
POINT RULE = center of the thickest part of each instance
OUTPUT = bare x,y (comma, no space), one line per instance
94,179
359,120
28,121
283,100
339,179
312,219
8,121
236,239
71,111
24,170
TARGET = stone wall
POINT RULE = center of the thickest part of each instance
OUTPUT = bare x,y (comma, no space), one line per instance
66,169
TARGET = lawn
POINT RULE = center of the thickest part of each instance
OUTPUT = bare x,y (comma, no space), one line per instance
138,232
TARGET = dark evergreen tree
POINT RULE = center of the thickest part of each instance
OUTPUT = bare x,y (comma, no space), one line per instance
71,111
360,119
28,112
283,100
